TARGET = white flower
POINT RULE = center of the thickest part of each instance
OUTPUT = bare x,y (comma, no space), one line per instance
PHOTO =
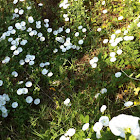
14,105
103,90
80,27
50,74
44,71
70,132
67,19
118,31
21,62
84,30
120,18
113,59
46,20
105,11
30,19
103,108
97,127
80,42
6,60
41,65
1,82
138,24
105,41
118,74
119,51
16,10
15,1
42,38
3,109
94,65
98,135
19,91
64,138
85,126
77,34
49,30
18,26
128,103
99,29
55,50
96,96
94,60
40,4
4,115
103,2
28,84
67,30
104,120
24,90
88,139
112,54
67,102
29,99
37,101
15,74
21,12
31,63
120,123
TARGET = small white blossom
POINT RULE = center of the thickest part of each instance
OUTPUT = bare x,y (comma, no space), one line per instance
103,108
29,99
118,74
85,126
99,29
37,101
70,132
120,18
104,120
14,105
105,11
128,103
97,127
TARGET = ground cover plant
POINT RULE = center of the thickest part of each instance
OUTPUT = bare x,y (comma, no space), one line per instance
69,70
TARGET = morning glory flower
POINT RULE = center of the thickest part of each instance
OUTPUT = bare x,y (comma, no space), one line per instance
15,74
128,103
120,18
29,99
85,126
105,11
103,108
30,19
105,41
14,105
112,54
1,82
118,74
67,102
70,132
28,84
80,42
104,120
37,101
99,29
120,123
104,90
119,51
44,71
97,127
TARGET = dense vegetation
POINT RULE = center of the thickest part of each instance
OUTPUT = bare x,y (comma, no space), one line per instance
69,70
